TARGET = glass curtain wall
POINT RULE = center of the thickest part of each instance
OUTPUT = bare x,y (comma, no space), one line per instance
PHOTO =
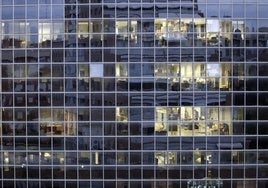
119,93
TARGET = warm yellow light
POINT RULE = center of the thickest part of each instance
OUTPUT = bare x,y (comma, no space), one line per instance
96,158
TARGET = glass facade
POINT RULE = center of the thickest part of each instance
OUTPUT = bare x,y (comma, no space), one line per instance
134,93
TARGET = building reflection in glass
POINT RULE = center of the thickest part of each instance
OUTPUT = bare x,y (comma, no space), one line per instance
133,94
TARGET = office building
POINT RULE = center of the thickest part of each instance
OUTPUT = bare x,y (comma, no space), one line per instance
134,93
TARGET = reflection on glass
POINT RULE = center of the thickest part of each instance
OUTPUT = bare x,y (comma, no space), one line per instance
187,121
50,32
121,114
166,158
61,123
83,29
